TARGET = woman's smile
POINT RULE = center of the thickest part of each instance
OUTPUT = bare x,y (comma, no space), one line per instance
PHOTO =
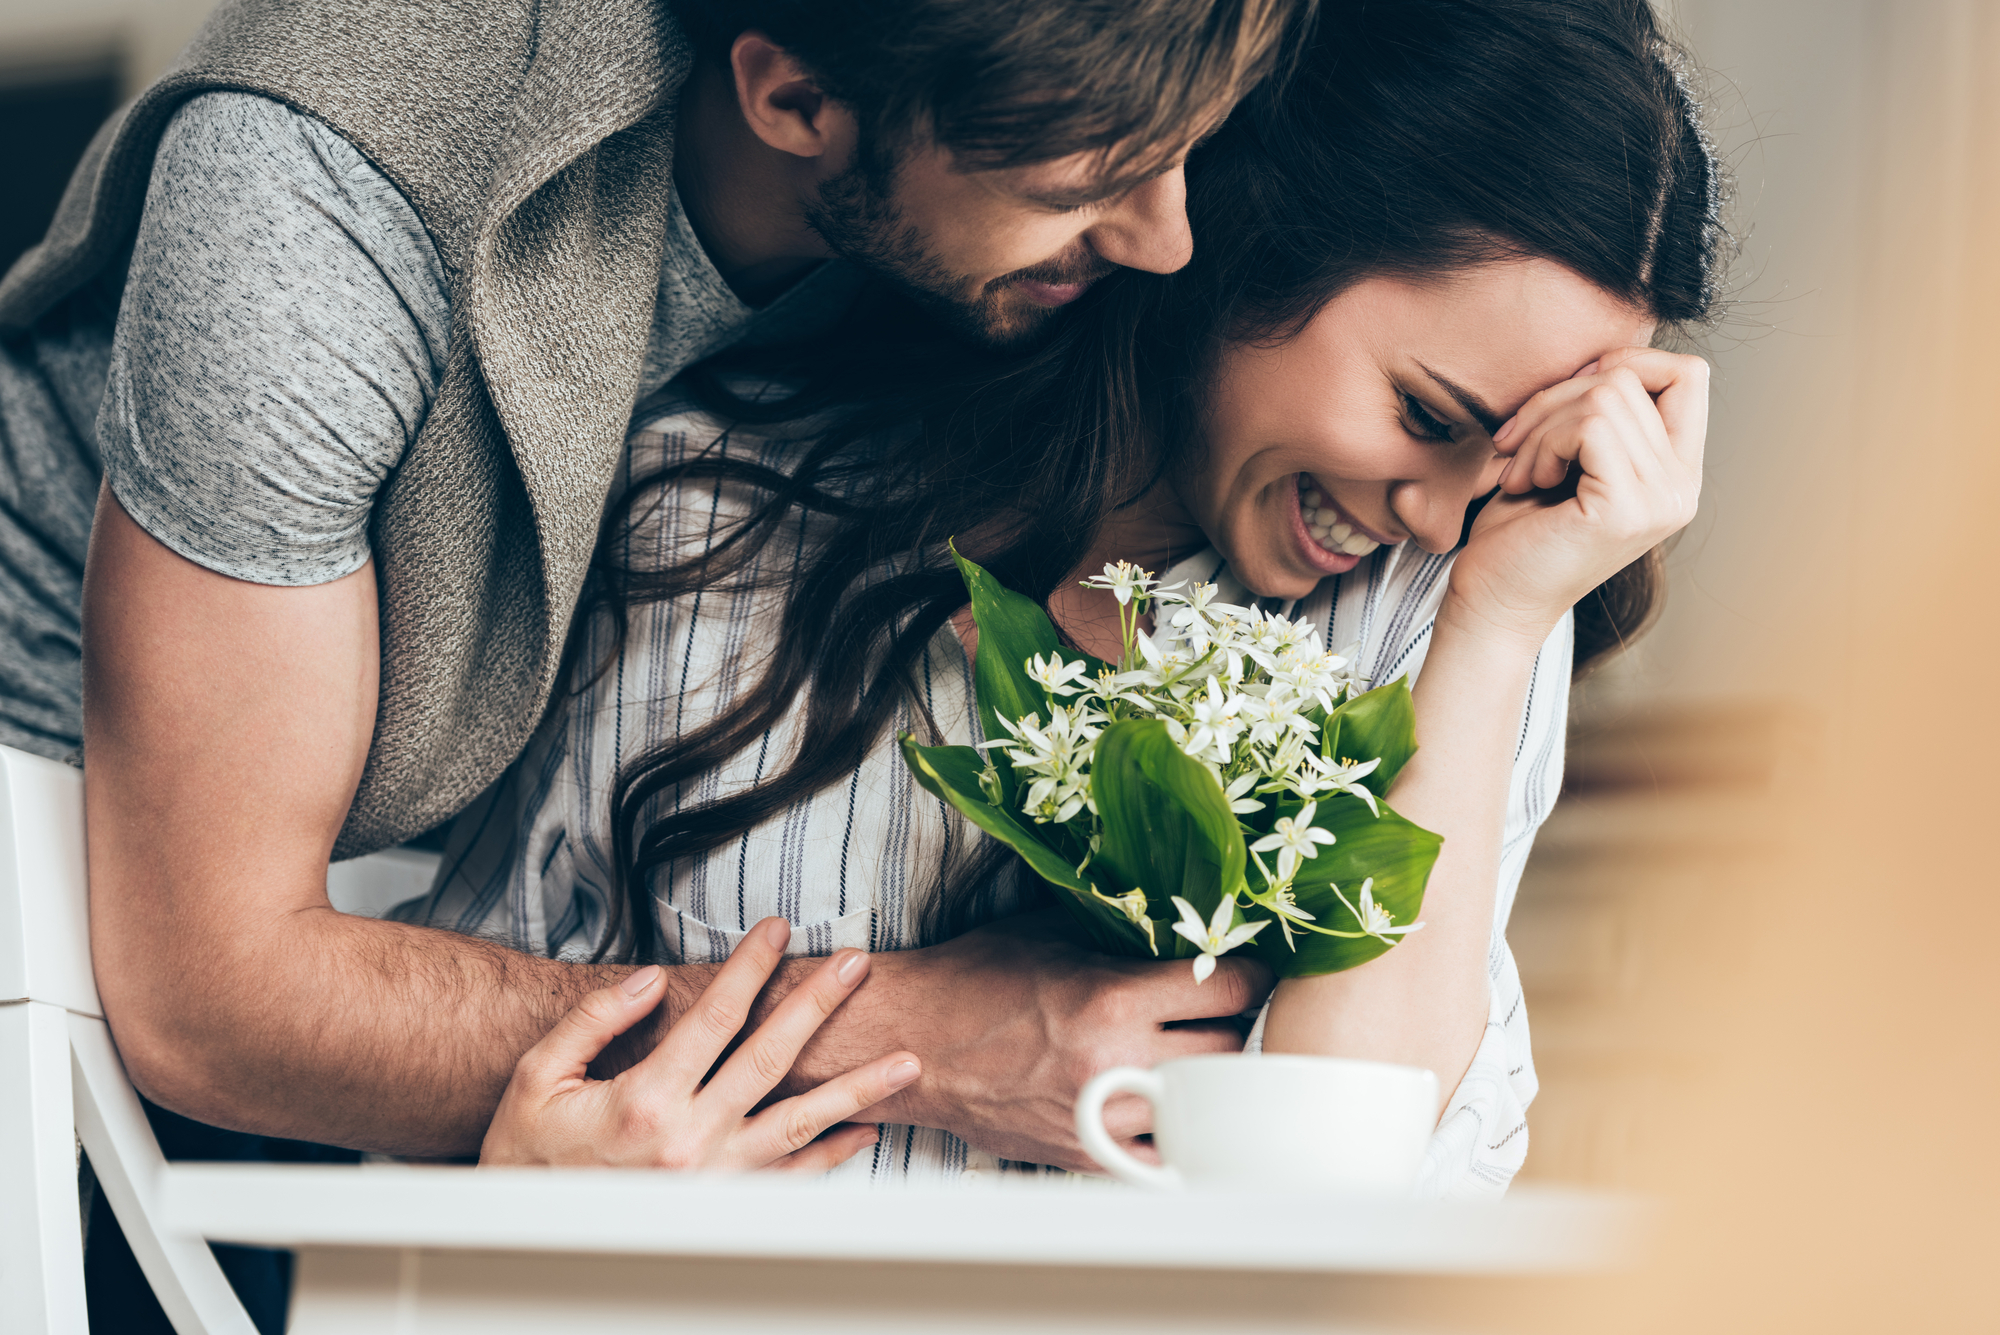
1312,514
1337,538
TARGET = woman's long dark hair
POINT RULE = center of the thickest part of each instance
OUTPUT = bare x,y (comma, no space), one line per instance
1410,139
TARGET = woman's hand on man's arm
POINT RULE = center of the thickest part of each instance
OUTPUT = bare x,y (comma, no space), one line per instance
666,1110
226,727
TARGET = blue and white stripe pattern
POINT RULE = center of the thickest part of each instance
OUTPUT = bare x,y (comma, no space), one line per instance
530,862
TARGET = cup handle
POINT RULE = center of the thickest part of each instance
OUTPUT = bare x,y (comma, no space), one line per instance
1108,1152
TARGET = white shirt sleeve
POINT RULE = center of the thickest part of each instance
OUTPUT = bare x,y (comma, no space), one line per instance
1482,1138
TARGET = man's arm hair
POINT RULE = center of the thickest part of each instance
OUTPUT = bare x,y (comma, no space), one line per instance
226,726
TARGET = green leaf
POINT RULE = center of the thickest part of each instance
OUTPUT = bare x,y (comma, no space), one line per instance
952,773
1381,722
1396,853
1166,826
1012,629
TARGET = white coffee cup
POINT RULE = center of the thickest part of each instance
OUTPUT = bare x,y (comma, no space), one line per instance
1270,1122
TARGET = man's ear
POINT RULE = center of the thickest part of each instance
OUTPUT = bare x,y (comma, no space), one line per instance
781,103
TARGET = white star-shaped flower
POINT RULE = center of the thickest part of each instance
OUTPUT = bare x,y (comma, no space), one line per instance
1345,777
1214,937
1123,579
1239,797
1133,905
1288,910
1375,920
1112,688
1212,725
1055,676
1196,621
1295,838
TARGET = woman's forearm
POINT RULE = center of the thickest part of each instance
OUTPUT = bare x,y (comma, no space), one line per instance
1424,1003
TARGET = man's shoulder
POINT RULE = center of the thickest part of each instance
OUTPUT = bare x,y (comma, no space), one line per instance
260,132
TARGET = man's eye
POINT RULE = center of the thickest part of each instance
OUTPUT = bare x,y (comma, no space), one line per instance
1423,422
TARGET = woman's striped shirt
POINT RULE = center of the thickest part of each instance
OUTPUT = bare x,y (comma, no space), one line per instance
530,863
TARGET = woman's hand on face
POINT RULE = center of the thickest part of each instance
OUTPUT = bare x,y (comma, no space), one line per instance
1632,424
667,1111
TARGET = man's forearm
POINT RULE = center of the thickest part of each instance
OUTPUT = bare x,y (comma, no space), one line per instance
349,1031
227,725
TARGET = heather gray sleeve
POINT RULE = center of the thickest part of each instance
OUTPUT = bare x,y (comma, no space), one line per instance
280,342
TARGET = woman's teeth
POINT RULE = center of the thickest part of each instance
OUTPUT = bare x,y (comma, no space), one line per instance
1326,526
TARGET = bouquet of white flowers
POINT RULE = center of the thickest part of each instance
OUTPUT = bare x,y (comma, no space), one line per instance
1224,775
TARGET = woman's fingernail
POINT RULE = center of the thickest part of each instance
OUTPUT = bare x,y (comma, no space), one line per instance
637,981
849,969
902,1073
1506,430
777,931
1589,370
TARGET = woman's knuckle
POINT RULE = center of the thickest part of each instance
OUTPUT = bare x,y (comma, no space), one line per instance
768,1064
716,1020
824,995
593,1012
797,1128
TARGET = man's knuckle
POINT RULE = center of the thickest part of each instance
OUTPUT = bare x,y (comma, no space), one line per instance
676,1157
1109,1012
638,1122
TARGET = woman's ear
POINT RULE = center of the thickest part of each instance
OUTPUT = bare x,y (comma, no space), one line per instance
781,102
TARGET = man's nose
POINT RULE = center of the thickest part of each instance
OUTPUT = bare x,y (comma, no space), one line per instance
1148,227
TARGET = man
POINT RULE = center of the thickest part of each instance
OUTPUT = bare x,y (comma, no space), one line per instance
401,272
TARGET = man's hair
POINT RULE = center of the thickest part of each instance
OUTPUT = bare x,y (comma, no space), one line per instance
1005,83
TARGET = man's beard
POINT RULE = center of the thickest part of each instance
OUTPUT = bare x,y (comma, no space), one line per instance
861,224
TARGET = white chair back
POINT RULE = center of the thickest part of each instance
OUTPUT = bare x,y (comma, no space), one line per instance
62,1084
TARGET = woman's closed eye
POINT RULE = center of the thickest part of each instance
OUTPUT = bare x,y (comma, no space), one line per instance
1423,423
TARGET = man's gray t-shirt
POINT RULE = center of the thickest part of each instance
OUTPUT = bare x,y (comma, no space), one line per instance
283,334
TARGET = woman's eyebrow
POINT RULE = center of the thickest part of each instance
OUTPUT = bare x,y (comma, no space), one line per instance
1467,400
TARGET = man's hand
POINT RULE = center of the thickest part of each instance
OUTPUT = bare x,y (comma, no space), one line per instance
226,726
1011,1020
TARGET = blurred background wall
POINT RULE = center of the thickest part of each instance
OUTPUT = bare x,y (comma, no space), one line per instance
1758,931
64,65
1761,927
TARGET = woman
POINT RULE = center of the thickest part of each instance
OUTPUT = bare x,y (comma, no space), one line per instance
1430,269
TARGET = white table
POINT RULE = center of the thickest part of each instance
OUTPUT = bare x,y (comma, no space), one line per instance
393,1250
